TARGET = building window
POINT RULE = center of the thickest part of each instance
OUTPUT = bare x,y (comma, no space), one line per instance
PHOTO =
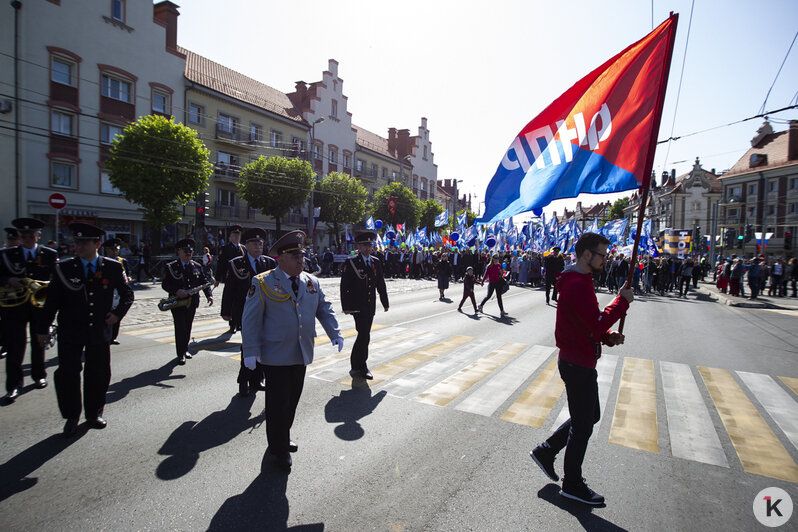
275,138
733,213
374,170
118,10
752,212
105,184
196,113
393,175
794,183
227,159
62,123
425,153
771,210
333,156
384,172
423,184
108,132
298,147
752,189
63,175
255,132
63,71
116,88
793,208
160,103
334,109
347,160
226,198
772,184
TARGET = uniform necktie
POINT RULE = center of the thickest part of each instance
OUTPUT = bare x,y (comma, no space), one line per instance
294,285
89,270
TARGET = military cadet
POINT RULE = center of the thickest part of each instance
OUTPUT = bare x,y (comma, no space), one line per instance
12,240
240,272
111,250
180,277
27,261
361,279
279,333
81,293
229,251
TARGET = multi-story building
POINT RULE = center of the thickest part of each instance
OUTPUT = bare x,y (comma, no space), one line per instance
449,186
761,190
78,85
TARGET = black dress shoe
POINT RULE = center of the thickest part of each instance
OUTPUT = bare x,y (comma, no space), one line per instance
355,373
189,356
231,330
11,396
261,386
71,427
181,359
292,446
367,374
283,461
243,389
97,422
41,383
114,342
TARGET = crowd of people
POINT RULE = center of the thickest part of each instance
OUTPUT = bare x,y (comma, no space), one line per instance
734,273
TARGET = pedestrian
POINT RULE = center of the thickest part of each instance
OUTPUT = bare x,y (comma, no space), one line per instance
580,329
362,278
240,271
754,275
794,276
468,289
685,277
494,275
553,263
20,266
111,250
735,280
444,271
278,334
183,279
523,270
206,260
229,251
776,275
81,292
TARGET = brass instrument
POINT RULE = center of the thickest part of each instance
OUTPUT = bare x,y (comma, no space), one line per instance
168,303
31,290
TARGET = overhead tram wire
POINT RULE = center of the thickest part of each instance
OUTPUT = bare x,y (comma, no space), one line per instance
760,115
681,77
762,109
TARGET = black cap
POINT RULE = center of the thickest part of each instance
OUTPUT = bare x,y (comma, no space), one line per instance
186,243
12,232
254,234
81,231
27,224
362,237
556,248
112,243
234,229
293,242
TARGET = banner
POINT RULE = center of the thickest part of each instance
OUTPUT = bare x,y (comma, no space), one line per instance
676,242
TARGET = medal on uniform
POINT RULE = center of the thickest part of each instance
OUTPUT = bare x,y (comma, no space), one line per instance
309,287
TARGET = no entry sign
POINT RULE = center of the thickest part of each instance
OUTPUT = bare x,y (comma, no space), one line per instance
57,201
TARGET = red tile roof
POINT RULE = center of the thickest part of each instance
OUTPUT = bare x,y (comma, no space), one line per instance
775,146
372,141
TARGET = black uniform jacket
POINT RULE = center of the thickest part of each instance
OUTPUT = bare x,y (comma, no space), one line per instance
14,264
240,274
229,251
360,284
176,278
82,304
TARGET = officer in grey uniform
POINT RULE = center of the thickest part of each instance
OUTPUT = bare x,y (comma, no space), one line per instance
278,332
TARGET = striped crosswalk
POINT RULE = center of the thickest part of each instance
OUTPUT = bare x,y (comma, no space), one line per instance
520,383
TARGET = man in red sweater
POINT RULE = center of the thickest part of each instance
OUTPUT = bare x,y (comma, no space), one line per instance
580,330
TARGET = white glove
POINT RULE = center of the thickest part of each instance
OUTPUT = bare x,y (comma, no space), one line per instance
249,362
339,342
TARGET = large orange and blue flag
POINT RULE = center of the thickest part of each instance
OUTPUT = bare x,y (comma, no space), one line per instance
597,137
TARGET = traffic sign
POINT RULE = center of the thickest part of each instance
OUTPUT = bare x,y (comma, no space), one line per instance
57,201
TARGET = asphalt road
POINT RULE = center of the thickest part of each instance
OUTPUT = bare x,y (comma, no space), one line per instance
441,443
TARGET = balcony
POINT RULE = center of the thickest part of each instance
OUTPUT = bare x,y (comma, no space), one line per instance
235,136
232,212
63,145
63,93
117,109
226,172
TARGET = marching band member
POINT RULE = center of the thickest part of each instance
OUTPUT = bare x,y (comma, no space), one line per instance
82,293
111,250
180,276
229,251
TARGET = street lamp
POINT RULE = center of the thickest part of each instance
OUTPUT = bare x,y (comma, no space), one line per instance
454,208
312,156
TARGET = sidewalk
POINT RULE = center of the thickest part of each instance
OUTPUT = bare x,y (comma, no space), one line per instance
785,303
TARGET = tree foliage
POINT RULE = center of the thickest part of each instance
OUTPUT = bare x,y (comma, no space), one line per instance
275,185
429,210
161,166
341,199
408,207
616,211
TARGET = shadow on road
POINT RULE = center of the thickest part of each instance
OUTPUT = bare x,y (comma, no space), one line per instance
350,406
154,377
583,513
184,445
262,506
14,473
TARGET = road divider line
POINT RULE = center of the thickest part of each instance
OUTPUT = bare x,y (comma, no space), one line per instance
497,389
452,387
792,382
400,365
692,432
777,402
759,450
634,423
535,404
606,374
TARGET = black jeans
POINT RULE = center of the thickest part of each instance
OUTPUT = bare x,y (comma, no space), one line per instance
581,388
96,378
497,287
549,286
360,349
282,397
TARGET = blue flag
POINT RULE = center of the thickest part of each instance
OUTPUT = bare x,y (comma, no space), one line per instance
370,223
442,219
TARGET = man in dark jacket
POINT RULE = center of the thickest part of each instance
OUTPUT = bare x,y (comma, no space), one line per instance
554,264
361,278
82,294
229,251
580,330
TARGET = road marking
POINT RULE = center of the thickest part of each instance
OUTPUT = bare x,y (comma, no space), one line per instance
535,404
161,330
783,311
202,334
491,395
396,341
759,450
778,403
606,374
792,382
518,293
395,367
445,391
348,333
692,432
634,423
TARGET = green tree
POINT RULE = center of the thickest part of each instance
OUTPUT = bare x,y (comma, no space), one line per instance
616,211
275,185
341,199
407,205
429,210
161,166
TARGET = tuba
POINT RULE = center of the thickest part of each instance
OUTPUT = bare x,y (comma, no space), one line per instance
31,290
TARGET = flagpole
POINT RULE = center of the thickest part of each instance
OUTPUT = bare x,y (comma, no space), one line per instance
652,148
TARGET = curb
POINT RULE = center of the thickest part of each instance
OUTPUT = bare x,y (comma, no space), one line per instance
732,302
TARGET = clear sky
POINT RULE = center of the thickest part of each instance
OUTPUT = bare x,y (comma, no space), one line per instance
479,71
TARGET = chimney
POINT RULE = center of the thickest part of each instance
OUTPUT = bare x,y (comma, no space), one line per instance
792,147
392,144
300,96
165,14
403,142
